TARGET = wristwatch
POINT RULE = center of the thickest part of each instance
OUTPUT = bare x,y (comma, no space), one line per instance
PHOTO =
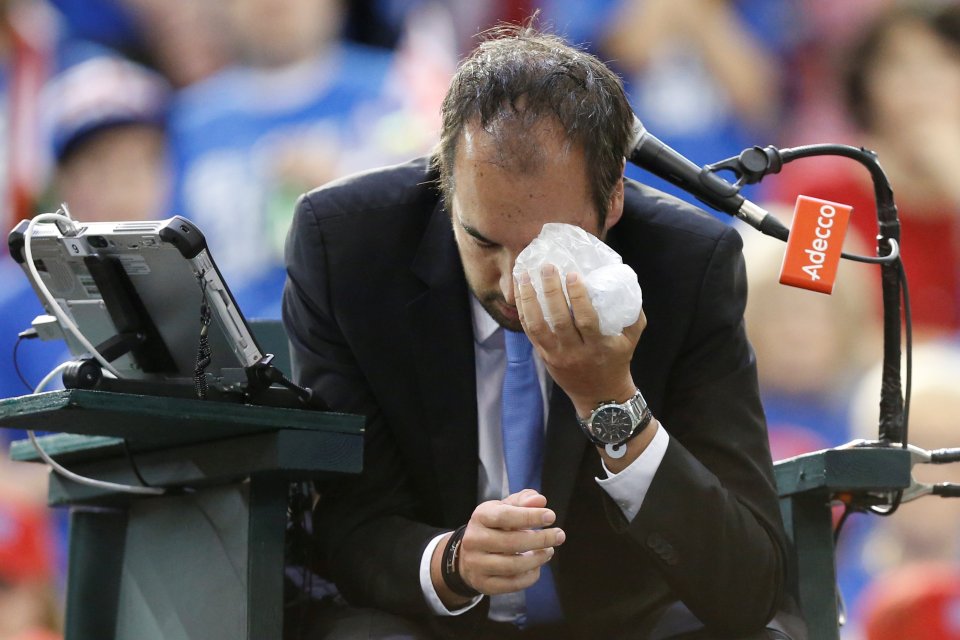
611,425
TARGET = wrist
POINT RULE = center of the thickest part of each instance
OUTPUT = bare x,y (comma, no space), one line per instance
634,448
612,425
451,588
586,403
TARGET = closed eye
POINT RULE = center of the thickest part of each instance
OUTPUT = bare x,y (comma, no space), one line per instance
483,243
478,238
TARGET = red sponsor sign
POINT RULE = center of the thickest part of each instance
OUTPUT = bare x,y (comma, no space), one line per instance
815,244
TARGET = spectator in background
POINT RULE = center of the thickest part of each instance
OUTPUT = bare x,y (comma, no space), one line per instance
919,601
903,92
107,120
183,39
295,111
109,139
811,351
28,38
29,604
923,537
811,348
703,75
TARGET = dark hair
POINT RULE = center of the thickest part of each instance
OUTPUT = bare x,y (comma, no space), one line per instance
519,75
942,21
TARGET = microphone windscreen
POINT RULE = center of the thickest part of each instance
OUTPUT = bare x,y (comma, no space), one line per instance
815,244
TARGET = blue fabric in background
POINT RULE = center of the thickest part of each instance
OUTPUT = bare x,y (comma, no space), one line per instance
107,22
675,101
231,136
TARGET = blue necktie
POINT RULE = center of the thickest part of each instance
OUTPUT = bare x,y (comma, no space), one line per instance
522,424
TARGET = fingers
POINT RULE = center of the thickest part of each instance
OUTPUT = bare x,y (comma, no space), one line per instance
555,305
526,498
500,515
493,585
585,316
504,544
633,331
514,564
528,307
512,542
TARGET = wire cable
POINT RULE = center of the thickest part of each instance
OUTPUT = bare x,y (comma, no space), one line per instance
891,257
62,317
908,384
66,473
16,362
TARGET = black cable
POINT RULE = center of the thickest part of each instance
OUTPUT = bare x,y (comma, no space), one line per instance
908,336
892,257
848,510
16,363
133,464
908,383
946,490
943,456
867,259
298,532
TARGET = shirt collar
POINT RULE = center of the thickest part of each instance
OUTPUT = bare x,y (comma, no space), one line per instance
486,331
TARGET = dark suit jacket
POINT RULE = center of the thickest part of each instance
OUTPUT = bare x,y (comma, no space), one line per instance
376,307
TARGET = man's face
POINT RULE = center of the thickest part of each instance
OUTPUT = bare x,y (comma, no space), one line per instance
498,209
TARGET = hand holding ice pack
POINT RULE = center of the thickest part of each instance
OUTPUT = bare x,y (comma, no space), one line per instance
612,285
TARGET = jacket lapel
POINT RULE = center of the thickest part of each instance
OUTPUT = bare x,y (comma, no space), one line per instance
442,332
441,326
563,453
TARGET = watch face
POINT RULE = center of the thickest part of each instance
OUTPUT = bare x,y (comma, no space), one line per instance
612,425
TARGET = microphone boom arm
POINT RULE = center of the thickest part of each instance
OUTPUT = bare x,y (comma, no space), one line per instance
750,167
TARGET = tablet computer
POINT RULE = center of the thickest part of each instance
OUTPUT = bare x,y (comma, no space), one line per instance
138,289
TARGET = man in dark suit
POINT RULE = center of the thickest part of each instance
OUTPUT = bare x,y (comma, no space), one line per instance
399,301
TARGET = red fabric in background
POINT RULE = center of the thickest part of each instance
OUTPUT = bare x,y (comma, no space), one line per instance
929,243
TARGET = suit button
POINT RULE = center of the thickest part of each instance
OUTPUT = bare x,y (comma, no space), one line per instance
669,556
662,548
654,541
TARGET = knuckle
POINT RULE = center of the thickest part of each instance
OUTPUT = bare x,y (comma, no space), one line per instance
545,538
473,538
582,321
495,516
529,577
561,321
485,512
527,293
534,518
499,543
536,326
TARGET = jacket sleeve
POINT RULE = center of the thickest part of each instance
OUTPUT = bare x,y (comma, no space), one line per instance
710,519
366,527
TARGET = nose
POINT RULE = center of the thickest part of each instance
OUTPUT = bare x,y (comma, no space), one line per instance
506,280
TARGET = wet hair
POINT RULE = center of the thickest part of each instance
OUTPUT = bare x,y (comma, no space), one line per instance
520,77
942,21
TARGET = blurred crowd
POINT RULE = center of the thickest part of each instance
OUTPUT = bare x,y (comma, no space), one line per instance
225,111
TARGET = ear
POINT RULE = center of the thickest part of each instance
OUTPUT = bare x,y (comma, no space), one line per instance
615,208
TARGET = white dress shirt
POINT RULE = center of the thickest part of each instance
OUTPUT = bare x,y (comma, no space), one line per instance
627,488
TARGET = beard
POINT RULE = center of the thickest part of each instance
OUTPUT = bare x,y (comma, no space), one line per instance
495,304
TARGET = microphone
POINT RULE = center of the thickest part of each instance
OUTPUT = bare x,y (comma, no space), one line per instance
649,153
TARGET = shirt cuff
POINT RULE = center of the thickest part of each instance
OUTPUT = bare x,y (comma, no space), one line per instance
426,584
629,487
